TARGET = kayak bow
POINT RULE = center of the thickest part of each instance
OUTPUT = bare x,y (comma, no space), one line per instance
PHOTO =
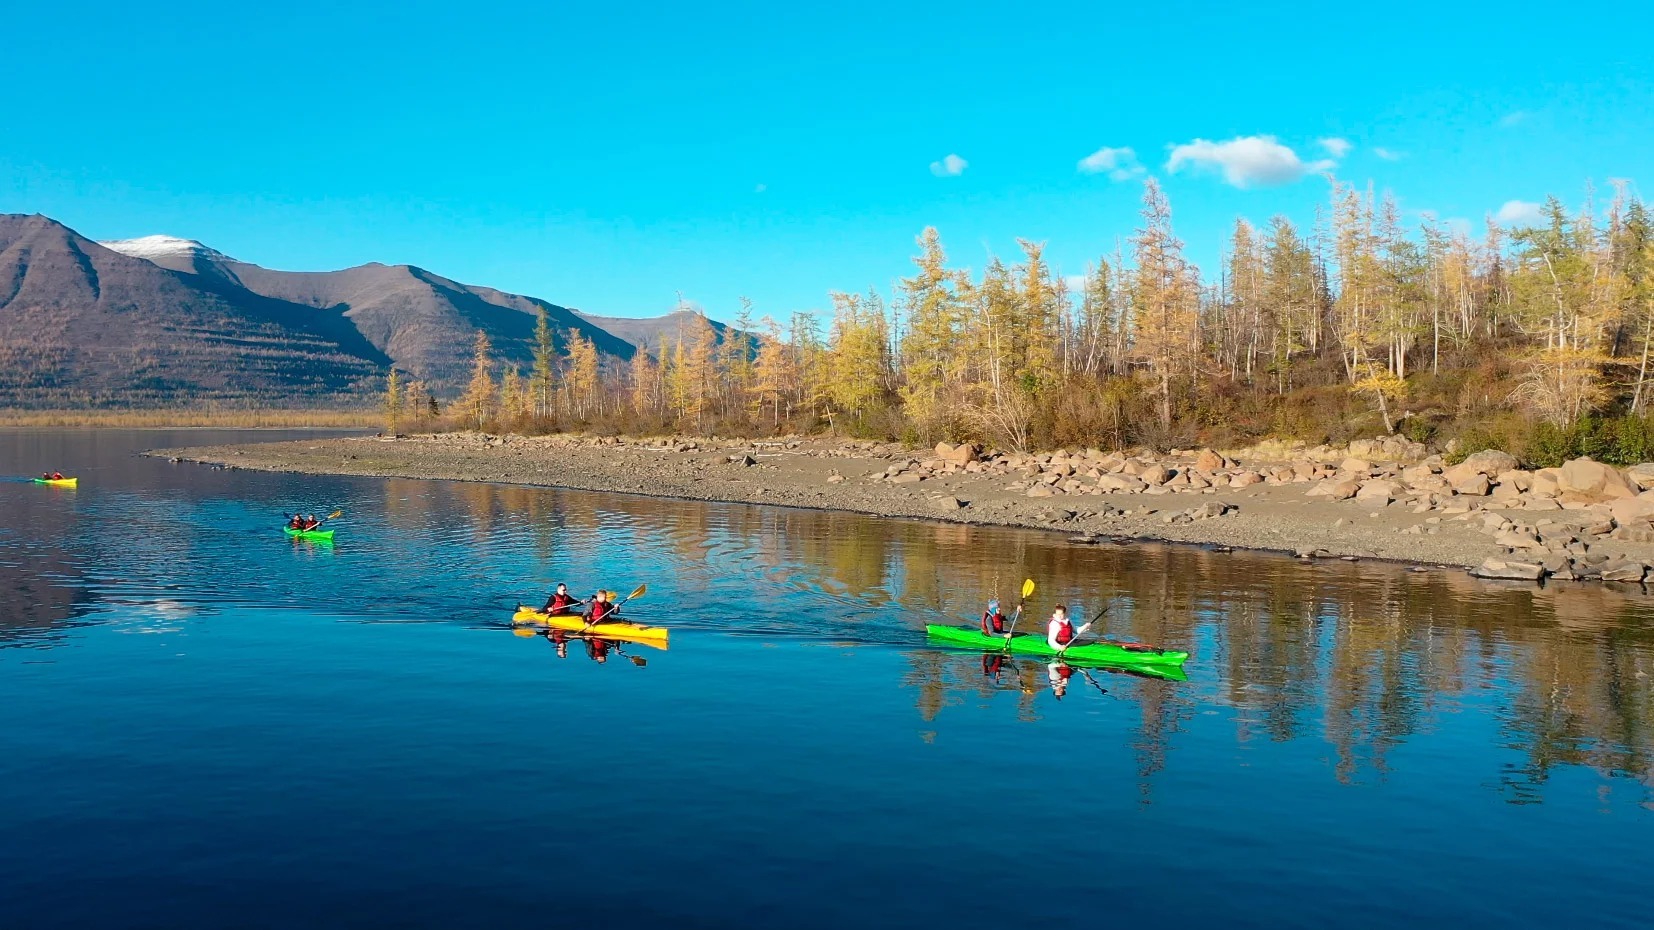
308,534
609,629
1034,644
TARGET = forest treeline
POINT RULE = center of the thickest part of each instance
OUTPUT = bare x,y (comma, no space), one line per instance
1536,339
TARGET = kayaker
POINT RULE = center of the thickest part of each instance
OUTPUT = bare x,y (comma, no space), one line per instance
599,608
1060,633
561,603
1059,673
296,522
310,522
993,621
992,664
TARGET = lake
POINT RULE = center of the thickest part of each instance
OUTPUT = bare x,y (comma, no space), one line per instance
206,724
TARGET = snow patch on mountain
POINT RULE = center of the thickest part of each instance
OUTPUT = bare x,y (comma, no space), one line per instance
153,247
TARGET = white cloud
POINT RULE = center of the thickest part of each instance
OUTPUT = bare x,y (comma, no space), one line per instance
1515,118
1337,147
1459,226
1249,161
1119,164
1075,282
951,167
1387,154
1520,213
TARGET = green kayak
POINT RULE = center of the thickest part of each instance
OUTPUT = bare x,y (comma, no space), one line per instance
1033,644
308,534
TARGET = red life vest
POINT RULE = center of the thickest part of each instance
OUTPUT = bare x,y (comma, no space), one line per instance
1064,672
993,623
601,609
1065,632
559,603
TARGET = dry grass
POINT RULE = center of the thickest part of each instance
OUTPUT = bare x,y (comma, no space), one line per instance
192,417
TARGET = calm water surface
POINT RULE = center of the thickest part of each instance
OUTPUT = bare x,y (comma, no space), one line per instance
204,724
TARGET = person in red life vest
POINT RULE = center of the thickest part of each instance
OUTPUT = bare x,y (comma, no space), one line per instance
1060,632
296,522
51,476
993,621
561,603
310,521
1059,673
599,608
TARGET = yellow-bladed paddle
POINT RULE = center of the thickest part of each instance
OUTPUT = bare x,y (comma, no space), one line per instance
1027,589
642,589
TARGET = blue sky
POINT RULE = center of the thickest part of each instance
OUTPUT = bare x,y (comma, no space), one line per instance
608,158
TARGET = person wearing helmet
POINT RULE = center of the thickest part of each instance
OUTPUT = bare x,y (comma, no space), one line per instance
561,603
993,620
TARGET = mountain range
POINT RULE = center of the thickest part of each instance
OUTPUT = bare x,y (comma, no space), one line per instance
159,320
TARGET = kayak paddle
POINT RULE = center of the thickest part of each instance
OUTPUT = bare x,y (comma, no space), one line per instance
1027,589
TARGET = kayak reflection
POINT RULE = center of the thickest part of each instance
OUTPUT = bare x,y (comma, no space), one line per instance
597,647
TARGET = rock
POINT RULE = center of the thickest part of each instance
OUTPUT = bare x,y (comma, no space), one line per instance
1209,461
1623,570
943,450
1120,483
835,479
1631,510
1378,490
1641,475
1338,489
1516,539
1040,490
1516,571
907,479
1415,474
1545,482
949,503
1635,534
1155,474
743,459
1516,478
1355,466
1489,463
1245,479
1474,485
1588,477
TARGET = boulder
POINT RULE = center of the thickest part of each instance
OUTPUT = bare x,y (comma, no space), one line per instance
1355,466
1623,570
1378,490
1120,484
943,450
1516,478
907,479
1155,474
1041,490
1545,482
948,503
1338,489
1209,461
1631,510
1245,479
1588,477
743,459
962,454
1474,485
1516,571
1489,462
1641,475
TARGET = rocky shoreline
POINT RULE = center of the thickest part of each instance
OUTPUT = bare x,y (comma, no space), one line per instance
1383,499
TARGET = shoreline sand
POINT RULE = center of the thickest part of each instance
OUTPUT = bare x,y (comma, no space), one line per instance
1045,492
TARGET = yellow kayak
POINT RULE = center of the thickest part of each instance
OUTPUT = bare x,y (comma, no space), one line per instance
59,482
620,629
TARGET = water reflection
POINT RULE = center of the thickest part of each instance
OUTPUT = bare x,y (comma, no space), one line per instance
1363,658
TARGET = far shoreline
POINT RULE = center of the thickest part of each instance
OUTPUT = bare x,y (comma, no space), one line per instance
833,476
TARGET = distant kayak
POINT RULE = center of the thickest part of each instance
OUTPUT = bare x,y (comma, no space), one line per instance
619,629
58,482
308,534
1107,653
